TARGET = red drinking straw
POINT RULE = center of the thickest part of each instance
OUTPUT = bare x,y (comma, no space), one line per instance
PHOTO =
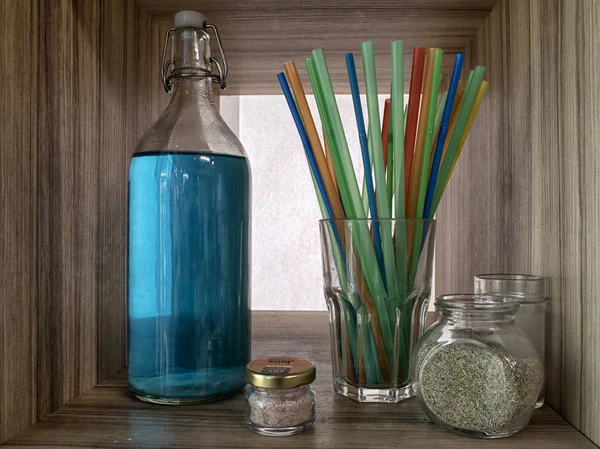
412,117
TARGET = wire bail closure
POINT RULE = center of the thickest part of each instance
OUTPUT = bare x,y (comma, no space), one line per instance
219,78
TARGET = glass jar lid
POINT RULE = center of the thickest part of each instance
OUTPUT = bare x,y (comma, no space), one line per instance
280,372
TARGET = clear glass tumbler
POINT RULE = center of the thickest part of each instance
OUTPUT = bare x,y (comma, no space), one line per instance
531,316
377,297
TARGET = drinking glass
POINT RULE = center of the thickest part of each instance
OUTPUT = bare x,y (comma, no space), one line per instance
377,297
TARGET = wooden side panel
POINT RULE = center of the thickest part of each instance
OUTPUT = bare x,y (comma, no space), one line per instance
547,238
63,171
118,22
581,145
473,209
67,201
18,142
539,132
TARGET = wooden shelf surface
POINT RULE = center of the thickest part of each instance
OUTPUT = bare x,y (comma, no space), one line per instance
107,416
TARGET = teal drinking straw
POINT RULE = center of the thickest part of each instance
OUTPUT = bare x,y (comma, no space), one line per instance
375,135
397,126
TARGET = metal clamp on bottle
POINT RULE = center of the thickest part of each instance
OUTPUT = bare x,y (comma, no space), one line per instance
197,20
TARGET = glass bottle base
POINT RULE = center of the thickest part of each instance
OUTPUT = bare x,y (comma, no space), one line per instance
183,401
280,431
379,394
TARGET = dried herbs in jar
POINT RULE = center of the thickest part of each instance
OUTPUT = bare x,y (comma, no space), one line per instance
279,397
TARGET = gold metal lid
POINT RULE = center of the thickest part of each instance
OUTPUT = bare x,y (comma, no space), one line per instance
280,372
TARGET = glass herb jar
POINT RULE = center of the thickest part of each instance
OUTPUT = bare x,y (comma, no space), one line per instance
474,371
280,400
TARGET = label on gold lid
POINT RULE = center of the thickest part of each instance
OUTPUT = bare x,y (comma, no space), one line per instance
280,372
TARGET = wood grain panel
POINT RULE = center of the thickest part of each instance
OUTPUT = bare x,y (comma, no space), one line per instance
547,238
109,417
18,116
260,35
117,21
471,213
67,201
588,92
526,189
64,202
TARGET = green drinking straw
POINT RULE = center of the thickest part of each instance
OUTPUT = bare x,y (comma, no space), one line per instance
372,370
463,116
390,165
375,134
352,335
365,196
314,81
382,200
351,199
349,187
439,114
424,178
398,113
342,270
429,137
398,116
340,266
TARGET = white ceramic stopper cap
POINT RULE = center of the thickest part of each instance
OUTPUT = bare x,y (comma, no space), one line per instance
190,19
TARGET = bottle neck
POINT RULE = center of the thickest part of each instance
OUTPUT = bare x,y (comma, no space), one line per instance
195,90
477,310
191,52
477,323
191,71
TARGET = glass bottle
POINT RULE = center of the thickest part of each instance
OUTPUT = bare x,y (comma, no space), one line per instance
189,218
474,371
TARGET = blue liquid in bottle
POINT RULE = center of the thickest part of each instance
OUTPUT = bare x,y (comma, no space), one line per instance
189,319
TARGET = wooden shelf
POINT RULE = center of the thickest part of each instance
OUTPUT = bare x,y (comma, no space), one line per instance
108,416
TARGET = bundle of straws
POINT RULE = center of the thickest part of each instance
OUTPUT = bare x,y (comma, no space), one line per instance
411,155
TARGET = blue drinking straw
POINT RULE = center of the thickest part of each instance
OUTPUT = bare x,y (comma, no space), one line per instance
439,148
310,156
364,147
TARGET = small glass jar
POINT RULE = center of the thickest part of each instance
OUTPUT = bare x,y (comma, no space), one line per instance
532,314
474,371
280,400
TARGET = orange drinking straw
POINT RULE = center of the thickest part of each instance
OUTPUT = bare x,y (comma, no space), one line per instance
313,137
459,94
415,173
412,113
